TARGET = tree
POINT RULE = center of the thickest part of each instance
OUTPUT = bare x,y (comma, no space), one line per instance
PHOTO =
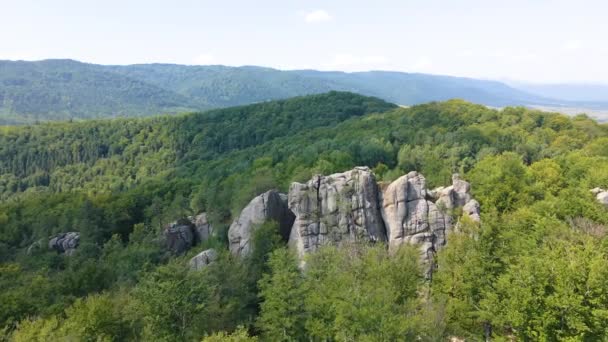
281,311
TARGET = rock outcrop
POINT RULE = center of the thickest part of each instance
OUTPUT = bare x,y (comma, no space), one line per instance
65,243
411,217
269,206
601,195
203,259
183,234
349,207
179,236
341,207
202,228
412,214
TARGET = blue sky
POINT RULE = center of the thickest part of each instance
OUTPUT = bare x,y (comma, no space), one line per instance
532,40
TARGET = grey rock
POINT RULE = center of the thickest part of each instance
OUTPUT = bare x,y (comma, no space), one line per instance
203,259
269,206
411,217
472,209
414,215
65,243
179,236
339,208
456,195
602,197
462,191
202,228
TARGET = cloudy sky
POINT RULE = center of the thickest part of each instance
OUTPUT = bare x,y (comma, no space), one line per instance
530,40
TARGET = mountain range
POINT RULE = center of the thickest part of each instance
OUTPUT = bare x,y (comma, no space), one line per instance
61,89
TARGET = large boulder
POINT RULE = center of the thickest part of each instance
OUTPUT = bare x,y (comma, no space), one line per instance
342,207
269,206
179,236
203,259
202,228
601,195
411,217
65,242
414,215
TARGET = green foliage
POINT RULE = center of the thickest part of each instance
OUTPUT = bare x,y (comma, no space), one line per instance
282,313
240,335
65,89
362,293
533,270
169,301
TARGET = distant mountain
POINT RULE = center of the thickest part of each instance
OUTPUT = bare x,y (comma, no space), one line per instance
569,92
67,89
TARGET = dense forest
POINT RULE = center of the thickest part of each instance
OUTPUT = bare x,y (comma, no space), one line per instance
65,89
535,269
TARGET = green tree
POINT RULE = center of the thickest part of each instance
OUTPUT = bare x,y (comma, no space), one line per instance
281,311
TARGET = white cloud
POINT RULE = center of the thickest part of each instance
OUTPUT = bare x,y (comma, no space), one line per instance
349,62
317,16
204,59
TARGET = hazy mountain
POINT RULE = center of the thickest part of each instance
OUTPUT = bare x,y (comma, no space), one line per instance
67,89
64,89
570,92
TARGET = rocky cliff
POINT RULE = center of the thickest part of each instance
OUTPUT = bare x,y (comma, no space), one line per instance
414,215
333,209
350,207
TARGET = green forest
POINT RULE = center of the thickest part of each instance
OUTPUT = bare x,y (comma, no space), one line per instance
63,89
534,269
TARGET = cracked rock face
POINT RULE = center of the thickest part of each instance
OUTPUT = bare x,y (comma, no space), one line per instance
203,259
412,214
411,217
65,242
269,206
342,207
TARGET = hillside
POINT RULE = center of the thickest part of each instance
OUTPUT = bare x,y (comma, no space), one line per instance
533,269
67,89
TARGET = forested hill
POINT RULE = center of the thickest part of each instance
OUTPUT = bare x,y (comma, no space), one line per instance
48,155
534,269
67,89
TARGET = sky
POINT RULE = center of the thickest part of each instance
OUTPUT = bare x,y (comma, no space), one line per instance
519,40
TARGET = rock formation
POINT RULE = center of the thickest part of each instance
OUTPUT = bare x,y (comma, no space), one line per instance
601,195
179,236
269,206
203,259
333,209
65,242
184,233
410,216
349,207
202,228
458,195
414,215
